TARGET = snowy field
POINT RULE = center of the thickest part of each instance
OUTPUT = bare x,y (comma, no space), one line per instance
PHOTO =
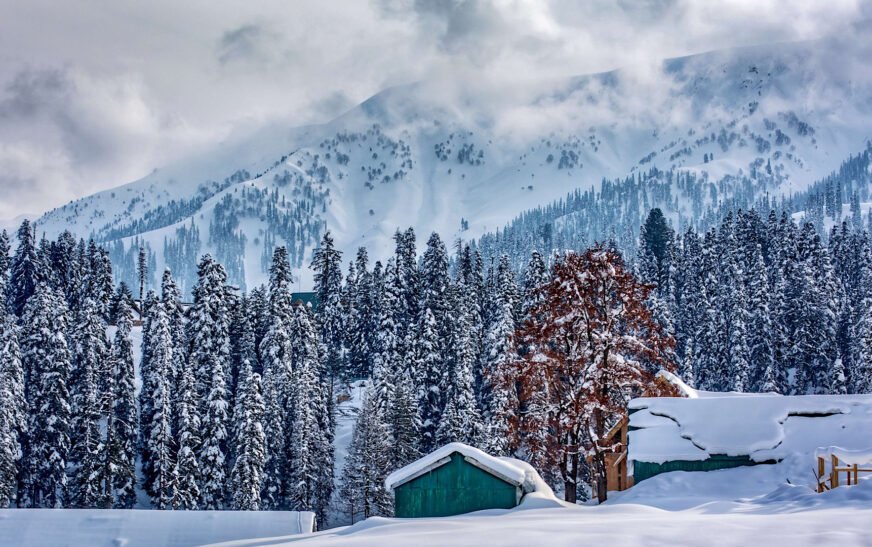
729,507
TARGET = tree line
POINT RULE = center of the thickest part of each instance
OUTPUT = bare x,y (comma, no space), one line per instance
237,396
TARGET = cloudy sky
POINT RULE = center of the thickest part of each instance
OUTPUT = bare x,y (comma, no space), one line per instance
95,93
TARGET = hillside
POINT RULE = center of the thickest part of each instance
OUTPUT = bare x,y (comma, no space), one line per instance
464,162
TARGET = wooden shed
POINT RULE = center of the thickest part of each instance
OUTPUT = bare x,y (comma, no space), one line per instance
455,479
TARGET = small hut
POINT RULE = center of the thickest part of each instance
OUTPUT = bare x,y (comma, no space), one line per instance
455,479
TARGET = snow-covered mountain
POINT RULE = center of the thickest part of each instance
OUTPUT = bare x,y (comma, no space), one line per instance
464,158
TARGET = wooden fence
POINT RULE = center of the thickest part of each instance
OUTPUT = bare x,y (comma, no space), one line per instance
841,461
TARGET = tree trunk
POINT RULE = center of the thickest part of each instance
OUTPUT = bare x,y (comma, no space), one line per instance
570,474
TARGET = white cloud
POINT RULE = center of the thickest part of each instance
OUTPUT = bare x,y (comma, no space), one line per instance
97,92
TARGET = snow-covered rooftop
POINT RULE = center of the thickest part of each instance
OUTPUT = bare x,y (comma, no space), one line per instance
763,427
144,528
503,468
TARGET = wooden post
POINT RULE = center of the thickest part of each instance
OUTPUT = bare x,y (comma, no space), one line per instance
822,468
856,474
834,474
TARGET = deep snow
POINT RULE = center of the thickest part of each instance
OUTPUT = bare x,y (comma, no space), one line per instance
745,506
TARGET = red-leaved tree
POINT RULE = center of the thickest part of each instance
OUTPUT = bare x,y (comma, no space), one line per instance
591,343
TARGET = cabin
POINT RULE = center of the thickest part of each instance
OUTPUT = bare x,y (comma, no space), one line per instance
710,431
455,479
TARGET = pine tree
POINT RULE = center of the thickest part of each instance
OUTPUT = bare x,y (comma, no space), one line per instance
4,269
122,424
306,434
247,474
326,263
498,392
213,450
158,464
428,376
12,409
186,474
46,360
209,356
276,351
89,355
404,422
460,420
366,467
26,271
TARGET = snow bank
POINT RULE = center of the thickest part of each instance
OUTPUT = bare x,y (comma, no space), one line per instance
143,528
506,468
850,457
764,427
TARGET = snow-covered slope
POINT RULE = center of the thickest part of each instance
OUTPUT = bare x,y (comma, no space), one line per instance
464,159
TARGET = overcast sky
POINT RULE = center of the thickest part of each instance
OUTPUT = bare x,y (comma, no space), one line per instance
95,93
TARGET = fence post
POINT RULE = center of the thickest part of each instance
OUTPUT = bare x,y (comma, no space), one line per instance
822,468
834,475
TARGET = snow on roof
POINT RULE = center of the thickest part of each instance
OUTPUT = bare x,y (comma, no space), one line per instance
502,468
763,427
145,527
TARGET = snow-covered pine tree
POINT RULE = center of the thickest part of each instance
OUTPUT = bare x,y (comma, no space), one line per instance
327,268
816,334
213,448
498,391
46,359
122,425
460,420
407,311
250,441
366,467
4,269
26,270
404,421
148,378
158,465
89,357
276,352
186,473
427,371
208,336
309,446
12,409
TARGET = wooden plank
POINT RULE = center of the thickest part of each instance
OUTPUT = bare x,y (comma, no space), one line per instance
822,468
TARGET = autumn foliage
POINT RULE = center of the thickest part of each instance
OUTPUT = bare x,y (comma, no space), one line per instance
588,345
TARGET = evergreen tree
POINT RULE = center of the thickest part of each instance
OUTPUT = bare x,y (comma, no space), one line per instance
326,263
247,474
46,359
499,395
122,424
89,355
276,351
158,465
186,474
26,271
366,467
12,409
209,356
428,374
311,469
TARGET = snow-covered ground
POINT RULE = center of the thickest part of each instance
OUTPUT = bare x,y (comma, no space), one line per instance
746,506
135,528
767,503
